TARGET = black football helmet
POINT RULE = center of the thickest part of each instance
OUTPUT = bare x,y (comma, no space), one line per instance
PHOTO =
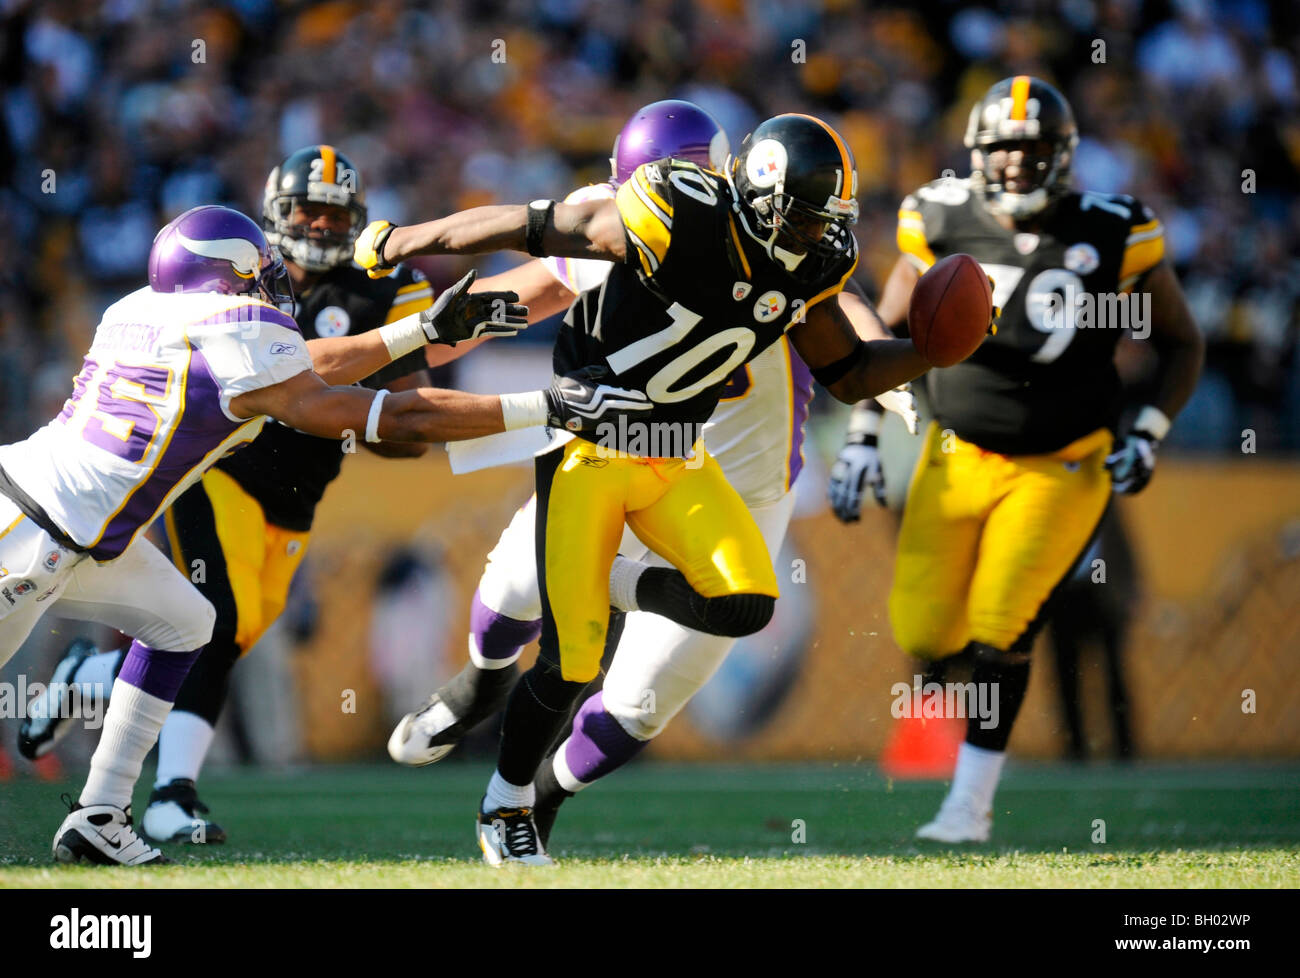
319,175
1022,113
796,178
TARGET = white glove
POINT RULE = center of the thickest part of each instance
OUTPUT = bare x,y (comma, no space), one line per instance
902,402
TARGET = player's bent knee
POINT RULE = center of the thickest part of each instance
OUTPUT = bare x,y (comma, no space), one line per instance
187,626
738,615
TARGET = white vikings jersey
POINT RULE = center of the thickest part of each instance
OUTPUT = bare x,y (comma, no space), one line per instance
150,410
757,430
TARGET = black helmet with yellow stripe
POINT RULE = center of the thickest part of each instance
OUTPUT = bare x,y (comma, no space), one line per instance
320,176
796,176
1025,125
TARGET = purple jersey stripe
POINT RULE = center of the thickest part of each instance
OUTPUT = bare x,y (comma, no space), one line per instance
801,395
199,427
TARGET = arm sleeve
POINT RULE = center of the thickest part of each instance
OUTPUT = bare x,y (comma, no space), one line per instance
1144,247
645,203
911,236
253,346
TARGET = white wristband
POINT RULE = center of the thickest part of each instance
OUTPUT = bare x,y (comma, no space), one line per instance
863,421
524,410
404,336
1153,421
372,420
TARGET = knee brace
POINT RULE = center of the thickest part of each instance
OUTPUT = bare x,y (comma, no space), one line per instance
665,591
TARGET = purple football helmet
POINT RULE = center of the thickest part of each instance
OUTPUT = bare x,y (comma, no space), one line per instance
217,249
668,128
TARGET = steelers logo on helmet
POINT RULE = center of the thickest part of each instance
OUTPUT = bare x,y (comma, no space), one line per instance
766,164
795,179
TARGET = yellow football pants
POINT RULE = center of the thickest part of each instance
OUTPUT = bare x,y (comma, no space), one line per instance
986,538
683,510
248,564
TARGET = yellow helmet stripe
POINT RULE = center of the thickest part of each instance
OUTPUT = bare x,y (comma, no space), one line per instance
846,158
1019,97
329,164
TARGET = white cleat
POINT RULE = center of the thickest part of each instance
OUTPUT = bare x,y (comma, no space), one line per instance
508,835
102,834
412,740
175,814
958,820
48,719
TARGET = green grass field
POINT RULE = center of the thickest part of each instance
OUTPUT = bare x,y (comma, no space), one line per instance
657,825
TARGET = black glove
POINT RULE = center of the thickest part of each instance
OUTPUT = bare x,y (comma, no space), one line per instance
459,315
1133,462
579,402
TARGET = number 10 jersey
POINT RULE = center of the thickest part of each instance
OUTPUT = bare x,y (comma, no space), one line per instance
697,298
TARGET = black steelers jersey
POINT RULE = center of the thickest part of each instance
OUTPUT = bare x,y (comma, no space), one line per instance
286,470
1048,377
697,298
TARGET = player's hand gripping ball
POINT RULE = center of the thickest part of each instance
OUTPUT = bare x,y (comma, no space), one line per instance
951,311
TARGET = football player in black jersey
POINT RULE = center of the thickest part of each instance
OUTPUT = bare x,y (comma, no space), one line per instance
1020,464
241,532
709,269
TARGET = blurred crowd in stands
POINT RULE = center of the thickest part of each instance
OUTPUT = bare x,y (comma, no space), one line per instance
118,115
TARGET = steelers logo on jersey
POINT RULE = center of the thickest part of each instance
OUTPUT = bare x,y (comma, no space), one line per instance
333,321
1082,258
769,305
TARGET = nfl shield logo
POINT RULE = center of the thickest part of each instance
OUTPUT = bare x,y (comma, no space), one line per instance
740,290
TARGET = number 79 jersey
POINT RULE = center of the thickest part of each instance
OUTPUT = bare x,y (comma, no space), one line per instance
1048,377
150,410
697,298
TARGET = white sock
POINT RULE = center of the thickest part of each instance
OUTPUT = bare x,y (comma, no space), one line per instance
977,774
182,746
622,582
98,670
567,779
502,794
131,726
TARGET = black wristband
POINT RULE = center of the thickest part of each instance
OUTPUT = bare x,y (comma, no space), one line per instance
537,218
832,372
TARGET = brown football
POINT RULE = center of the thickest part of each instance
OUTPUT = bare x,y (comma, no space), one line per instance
950,310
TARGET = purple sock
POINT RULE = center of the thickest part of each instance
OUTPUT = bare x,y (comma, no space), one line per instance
597,744
156,671
497,637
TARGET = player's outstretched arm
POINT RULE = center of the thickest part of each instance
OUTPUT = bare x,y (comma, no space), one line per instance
458,314
587,229
401,449
850,368
575,402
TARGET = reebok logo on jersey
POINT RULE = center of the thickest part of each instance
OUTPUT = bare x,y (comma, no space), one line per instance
283,349
769,306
